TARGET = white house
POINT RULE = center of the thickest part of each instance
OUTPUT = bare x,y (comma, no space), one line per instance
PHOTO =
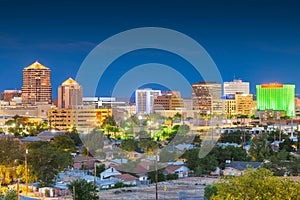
109,172
181,170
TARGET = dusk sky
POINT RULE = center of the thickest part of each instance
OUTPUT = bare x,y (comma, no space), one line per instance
258,41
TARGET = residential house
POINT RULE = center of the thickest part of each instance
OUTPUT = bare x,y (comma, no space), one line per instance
127,179
109,172
82,162
237,168
181,170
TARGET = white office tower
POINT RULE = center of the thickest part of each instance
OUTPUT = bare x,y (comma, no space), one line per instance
144,100
236,87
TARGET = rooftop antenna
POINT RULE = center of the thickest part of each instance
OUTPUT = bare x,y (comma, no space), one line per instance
234,78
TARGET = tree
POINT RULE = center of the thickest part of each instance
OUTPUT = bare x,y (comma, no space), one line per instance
283,163
257,184
100,169
235,137
74,135
94,142
260,148
46,161
209,191
11,195
200,165
152,175
11,150
148,145
183,129
129,145
64,143
287,145
83,190
177,116
109,120
229,153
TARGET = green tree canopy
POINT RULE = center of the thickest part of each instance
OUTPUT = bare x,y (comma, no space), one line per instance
129,145
64,142
260,148
46,161
257,184
83,190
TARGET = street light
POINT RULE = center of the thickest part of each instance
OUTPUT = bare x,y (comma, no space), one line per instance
26,169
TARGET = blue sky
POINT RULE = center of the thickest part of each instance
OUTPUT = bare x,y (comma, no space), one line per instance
258,41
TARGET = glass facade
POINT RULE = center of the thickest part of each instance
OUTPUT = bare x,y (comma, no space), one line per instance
276,97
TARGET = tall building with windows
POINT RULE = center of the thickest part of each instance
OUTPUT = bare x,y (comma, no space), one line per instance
277,97
168,101
36,84
206,97
144,100
69,94
236,87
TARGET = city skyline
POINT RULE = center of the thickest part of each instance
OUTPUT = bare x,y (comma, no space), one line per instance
258,43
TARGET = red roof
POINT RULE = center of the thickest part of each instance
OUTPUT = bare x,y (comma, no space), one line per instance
126,177
139,169
170,169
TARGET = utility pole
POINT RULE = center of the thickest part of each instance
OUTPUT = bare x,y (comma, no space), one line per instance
156,179
95,179
74,192
18,188
26,170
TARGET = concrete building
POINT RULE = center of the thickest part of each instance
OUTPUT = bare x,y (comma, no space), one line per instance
36,84
69,94
103,102
40,110
144,99
84,118
168,101
9,95
229,107
206,97
236,86
277,97
245,105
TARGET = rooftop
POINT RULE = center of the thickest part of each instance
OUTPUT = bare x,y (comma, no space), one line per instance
70,81
36,65
126,177
243,165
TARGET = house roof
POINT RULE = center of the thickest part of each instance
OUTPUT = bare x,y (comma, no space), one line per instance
172,168
239,165
126,177
139,169
83,158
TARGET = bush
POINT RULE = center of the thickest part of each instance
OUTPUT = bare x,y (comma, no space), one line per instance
172,177
47,193
209,191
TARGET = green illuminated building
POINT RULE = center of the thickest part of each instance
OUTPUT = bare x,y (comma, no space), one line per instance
276,96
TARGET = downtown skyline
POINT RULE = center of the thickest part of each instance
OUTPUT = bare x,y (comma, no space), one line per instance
251,40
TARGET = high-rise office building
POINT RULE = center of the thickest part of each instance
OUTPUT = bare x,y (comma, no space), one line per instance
69,94
277,97
206,97
168,101
236,87
144,99
36,84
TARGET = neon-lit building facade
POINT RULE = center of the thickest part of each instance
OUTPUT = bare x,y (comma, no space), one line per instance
276,96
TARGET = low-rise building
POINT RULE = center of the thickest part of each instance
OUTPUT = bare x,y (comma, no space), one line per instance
237,168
